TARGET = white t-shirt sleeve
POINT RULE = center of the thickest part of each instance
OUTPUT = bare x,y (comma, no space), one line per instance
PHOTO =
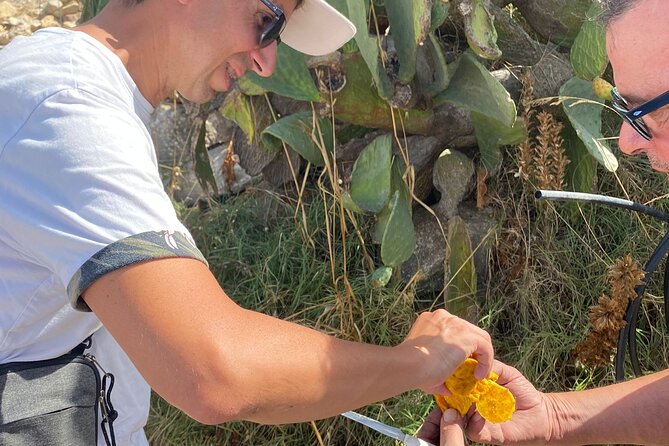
81,175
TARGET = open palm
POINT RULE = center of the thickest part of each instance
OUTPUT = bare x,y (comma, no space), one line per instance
531,423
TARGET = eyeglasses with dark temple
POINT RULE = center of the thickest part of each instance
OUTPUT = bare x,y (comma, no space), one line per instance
634,117
272,26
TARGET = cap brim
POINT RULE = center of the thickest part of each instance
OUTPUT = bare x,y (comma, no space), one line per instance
316,28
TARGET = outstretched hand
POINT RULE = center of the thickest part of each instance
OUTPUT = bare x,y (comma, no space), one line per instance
531,423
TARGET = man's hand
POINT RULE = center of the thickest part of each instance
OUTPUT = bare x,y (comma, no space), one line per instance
441,342
531,423
445,429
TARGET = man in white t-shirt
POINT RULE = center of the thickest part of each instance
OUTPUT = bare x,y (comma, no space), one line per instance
90,243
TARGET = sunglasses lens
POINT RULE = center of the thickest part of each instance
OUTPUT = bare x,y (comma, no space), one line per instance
272,32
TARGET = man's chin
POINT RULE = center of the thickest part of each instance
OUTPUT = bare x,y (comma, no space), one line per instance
659,165
200,97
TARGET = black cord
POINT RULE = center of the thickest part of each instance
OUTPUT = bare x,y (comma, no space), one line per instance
666,293
627,335
632,314
109,414
631,337
600,199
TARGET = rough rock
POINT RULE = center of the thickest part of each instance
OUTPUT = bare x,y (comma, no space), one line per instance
547,76
49,21
517,46
169,128
23,17
556,20
430,252
280,169
7,10
5,38
70,8
453,177
53,7
422,152
453,127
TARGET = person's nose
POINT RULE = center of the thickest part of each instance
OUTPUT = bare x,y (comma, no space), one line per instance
264,60
631,142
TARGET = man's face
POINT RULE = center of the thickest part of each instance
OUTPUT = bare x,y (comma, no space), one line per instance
638,46
223,44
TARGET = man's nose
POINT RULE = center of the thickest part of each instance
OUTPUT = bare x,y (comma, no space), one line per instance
264,60
631,142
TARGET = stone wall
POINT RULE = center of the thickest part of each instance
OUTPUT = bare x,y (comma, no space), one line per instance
23,17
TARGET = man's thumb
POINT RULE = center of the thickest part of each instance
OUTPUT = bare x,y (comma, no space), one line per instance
452,429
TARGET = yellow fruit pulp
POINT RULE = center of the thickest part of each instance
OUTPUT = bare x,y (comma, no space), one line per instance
493,402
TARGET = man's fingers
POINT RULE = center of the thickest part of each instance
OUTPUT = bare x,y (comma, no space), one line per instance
485,356
441,389
452,429
506,373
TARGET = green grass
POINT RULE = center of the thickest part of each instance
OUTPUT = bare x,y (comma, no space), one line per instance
279,260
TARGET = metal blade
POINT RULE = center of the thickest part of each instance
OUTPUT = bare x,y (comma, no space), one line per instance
386,430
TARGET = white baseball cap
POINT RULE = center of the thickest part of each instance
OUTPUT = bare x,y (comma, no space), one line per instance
316,28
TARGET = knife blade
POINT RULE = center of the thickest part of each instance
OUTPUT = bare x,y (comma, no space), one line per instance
386,430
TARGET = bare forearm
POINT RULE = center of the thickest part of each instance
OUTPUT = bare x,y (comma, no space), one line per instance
632,412
293,373
219,362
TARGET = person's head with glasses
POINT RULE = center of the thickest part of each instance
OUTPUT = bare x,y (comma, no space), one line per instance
638,46
199,47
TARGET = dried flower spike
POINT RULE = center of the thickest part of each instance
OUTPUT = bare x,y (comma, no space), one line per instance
607,316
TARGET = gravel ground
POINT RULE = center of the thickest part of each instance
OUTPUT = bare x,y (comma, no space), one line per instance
22,17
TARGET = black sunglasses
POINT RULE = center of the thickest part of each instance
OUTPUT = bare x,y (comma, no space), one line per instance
634,116
271,31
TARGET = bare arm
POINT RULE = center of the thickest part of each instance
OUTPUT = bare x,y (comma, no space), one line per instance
631,412
219,362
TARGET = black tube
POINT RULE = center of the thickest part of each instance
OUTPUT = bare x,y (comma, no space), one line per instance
626,335
631,336
620,355
600,199
629,332
666,294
